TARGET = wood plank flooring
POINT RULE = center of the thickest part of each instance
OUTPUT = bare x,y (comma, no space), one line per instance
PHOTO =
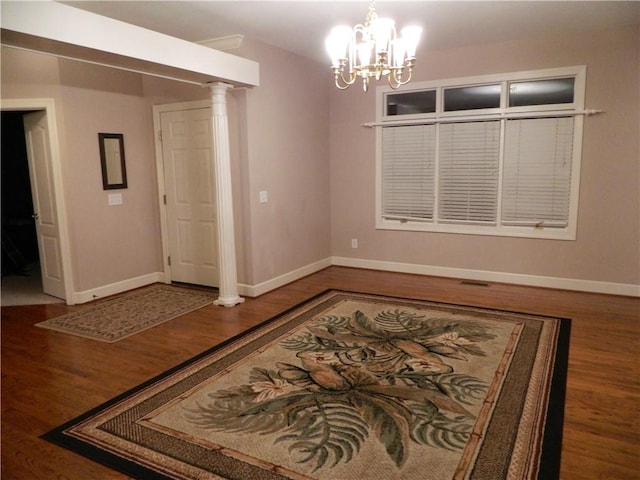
50,377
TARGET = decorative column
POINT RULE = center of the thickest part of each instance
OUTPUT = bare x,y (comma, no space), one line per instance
228,289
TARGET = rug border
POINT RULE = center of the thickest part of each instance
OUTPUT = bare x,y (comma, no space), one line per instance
550,456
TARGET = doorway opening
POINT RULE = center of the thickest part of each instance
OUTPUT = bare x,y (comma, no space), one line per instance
21,270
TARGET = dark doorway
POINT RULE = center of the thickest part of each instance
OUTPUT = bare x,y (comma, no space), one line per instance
19,241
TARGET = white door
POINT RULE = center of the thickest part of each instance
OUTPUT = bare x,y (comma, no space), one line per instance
44,203
190,196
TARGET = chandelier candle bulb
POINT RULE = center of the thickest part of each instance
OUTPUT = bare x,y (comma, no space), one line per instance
364,53
372,50
383,31
398,53
337,44
411,37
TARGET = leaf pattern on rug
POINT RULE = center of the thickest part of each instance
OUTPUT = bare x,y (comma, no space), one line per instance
357,377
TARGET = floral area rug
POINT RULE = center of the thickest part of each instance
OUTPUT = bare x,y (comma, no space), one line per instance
125,315
348,386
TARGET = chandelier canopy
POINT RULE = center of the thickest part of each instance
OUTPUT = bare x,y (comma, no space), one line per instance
372,50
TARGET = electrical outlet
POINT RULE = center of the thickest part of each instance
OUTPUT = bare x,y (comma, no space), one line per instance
354,243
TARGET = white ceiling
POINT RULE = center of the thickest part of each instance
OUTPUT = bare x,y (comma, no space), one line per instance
301,26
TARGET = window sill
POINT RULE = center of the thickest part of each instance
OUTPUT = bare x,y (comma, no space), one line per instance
548,233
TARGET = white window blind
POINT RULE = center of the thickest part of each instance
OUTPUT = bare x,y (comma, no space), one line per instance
537,172
408,168
468,172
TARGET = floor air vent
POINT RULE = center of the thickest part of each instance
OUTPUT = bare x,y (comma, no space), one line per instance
473,283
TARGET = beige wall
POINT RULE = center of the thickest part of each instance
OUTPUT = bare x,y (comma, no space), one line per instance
607,248
109,243
287,139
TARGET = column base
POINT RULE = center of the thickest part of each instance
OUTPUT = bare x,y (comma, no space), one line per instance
228,301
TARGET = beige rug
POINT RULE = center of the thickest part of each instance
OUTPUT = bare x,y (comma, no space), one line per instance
348,386
125,315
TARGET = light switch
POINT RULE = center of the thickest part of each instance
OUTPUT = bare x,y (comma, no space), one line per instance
264,196
115,199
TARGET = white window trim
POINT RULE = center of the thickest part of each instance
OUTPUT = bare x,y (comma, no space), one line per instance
575,109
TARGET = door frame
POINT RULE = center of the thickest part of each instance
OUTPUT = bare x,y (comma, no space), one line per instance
162,186
57,187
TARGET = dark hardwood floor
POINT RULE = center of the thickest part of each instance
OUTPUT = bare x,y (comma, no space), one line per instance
50,377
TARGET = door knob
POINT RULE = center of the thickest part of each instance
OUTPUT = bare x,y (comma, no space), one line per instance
34,216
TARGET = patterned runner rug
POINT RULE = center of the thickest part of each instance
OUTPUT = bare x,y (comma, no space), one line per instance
120,317
348,386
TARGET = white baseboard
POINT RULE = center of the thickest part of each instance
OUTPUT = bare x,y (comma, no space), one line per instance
479,275
118,287
489,276
264,287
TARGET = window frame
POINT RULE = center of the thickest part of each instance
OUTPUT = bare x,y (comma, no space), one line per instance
503,113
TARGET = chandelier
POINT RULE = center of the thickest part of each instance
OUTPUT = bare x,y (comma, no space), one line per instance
372,50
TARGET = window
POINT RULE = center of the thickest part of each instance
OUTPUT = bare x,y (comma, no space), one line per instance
493,155
537,172
423,101
541,92
409,169
468,180
471,98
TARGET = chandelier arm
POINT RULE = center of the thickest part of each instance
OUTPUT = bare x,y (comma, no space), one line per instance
338,73
392,78
395,77
341,82
409,75
350,80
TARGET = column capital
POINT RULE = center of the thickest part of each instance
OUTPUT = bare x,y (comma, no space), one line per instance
218,93
218,86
